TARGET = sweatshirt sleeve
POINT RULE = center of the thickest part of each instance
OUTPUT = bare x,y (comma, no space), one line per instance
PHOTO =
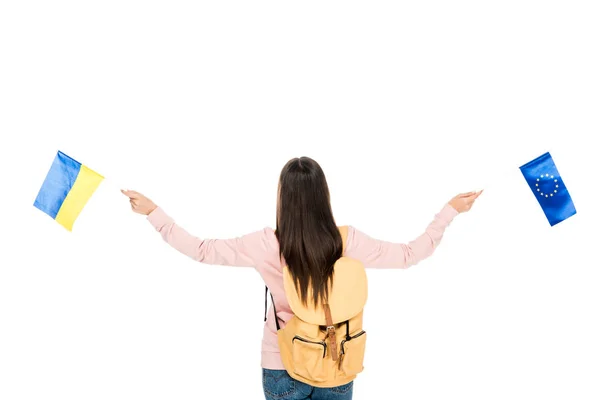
241,251
381,254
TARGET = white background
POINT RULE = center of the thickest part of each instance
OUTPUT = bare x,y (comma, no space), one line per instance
200,105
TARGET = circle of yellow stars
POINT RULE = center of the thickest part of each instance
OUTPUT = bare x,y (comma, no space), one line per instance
555,185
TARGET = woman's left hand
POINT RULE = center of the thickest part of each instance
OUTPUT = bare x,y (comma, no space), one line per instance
139,203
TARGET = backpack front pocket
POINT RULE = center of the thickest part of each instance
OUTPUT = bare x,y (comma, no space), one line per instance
352,354
309,358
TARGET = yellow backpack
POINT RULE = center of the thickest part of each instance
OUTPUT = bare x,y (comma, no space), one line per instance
324,346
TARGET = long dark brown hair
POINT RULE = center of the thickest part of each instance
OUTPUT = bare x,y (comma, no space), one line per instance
309,239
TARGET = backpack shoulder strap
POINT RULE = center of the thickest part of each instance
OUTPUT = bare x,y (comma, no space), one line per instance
277,319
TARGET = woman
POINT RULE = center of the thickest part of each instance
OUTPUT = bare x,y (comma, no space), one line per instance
308,241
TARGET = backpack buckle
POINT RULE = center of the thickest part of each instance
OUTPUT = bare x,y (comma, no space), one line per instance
331,332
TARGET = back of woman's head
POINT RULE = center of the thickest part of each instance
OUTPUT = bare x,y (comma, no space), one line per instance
308,236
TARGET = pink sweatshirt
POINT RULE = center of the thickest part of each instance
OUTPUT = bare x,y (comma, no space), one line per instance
260,250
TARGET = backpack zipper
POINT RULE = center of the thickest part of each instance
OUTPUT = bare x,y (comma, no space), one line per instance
322,343
351,337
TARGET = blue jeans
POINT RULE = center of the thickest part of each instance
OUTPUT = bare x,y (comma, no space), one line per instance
279,385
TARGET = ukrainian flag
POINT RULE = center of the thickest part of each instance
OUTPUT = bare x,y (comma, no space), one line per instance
67,188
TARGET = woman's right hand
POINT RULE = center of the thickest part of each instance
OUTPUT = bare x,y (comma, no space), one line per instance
139,203
464,201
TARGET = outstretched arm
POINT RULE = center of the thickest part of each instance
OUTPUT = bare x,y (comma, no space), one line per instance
376,253
241,251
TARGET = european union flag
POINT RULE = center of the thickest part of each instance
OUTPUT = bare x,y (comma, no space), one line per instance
548,187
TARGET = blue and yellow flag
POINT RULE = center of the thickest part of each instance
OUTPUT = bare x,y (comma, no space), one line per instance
67,188
549,188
